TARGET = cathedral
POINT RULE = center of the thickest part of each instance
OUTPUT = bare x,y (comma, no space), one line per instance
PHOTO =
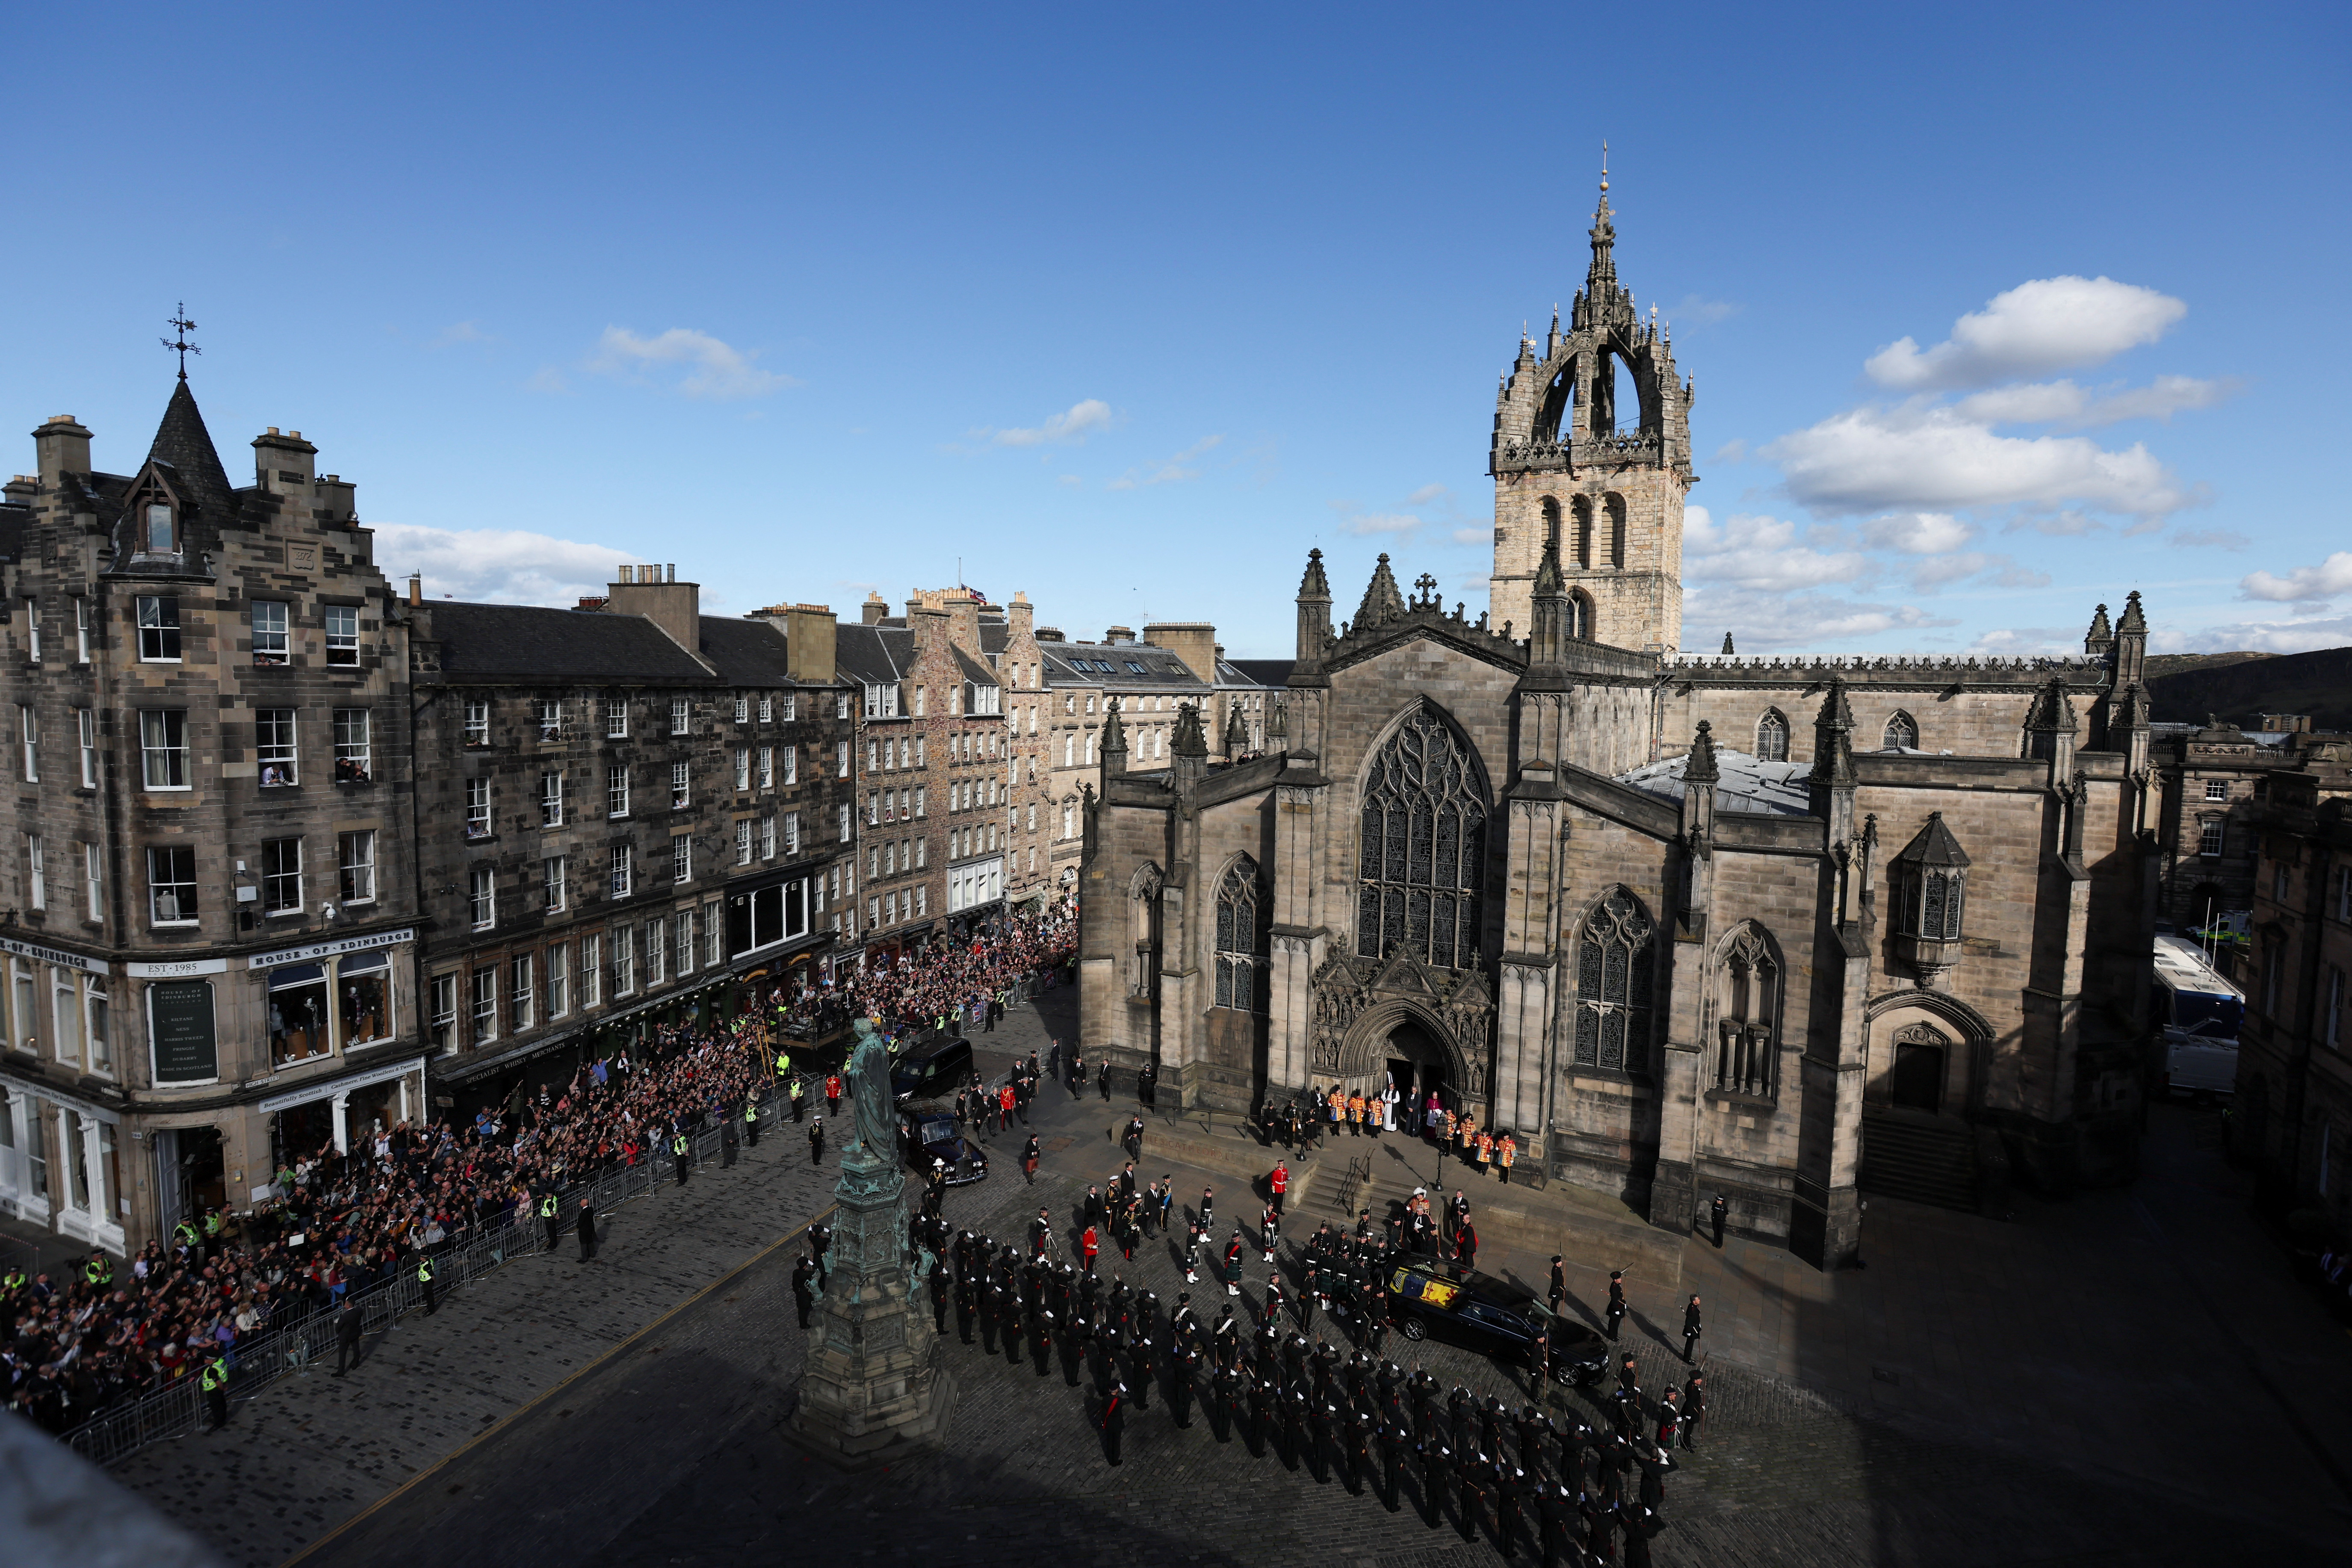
1785,929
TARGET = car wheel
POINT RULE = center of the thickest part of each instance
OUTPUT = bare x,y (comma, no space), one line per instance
1410,1328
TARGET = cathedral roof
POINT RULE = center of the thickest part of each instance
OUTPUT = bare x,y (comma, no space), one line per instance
1743,782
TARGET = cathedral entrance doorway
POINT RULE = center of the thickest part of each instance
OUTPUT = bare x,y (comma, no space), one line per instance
1417,1061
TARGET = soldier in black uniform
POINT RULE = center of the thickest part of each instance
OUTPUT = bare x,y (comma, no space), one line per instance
1693,1410
967,1305
1510,1493
1534,1429
1472,1473
1114,1421
939,1294
1716,1213
1690,1329
803,1295
1227,1338
820,1241
1461,1418
1322,1433
1364,1447
1395,1443
1572,1437
1435,1456
1555,1507
1263,1397
1559,1292
1388,1385
1616,1301
1295,1406
1140,1367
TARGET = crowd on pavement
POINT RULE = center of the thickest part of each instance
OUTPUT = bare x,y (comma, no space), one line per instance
338,1222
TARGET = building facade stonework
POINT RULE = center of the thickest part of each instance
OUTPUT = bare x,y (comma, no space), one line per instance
1783,928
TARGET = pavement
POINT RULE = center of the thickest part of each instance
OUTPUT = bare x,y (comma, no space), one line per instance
2126,1377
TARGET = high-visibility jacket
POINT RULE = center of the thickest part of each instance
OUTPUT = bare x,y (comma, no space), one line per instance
678,1145
751,1112
425,1271
547,1206
215,1375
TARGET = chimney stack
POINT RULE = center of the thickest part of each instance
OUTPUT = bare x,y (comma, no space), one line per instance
1194,642
415,589
62,447
654,593
810,634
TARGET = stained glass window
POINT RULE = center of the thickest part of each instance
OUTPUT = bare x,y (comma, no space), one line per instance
1241,941
1613,968
1422,847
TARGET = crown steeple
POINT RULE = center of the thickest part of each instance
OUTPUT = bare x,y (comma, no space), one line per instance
1600,279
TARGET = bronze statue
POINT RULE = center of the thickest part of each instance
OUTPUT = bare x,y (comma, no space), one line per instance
869,1072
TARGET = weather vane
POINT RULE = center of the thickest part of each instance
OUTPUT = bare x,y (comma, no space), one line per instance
181,343
1604,166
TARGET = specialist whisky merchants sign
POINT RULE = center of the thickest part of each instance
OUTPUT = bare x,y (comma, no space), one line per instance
180,1023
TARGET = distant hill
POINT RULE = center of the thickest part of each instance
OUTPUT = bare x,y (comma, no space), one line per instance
2242,687
2181,663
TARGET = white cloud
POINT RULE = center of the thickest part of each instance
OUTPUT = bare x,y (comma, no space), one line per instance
2209,539
1732,451
2305,584
1767,620
496,566
714,369
1697,310
1168,470
1760,553
2049,323
1371,522
1474,535
1075,423
2064,403
1426,494
1936,460
1998,571
2257,637
460,332
1917,532
2009,642
547,378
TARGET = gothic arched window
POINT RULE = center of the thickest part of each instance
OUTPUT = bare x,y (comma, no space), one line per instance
1584,532
1580,616
1241,941
1617,531
1614,965
1423,847
1772,736
1551,521
1902,734
1749,1051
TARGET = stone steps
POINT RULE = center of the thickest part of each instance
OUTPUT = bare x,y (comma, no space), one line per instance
1926,1162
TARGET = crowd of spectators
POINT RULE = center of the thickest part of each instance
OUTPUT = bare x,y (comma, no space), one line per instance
110,1332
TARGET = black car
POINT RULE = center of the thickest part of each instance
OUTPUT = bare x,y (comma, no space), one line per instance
935,1068
1492,1315
928,1133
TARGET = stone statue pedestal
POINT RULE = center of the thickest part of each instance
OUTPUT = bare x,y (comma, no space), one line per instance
873,1388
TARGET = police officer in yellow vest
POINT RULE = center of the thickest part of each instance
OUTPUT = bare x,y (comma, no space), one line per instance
752,1123
425,1283
13,1285
214,1384
800,1098
97,1273
552,1214
185,1234
783,1063
682,1151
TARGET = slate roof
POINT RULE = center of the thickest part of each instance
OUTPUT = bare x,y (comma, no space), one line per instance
1080,663
875,655
748,653
1264,671
529,643
1743,782
974,670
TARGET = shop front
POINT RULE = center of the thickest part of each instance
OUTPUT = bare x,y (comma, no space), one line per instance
346,1111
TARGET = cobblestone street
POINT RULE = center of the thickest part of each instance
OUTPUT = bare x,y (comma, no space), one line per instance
665,1447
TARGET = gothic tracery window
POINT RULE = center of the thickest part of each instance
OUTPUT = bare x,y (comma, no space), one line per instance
1748,1052
1241,941
1423,847
1772,736
1902,734
1614,962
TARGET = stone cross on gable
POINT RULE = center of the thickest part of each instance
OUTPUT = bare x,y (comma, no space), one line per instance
1426,586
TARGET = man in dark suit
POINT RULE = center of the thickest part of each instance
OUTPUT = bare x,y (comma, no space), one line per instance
587,1228
348,1326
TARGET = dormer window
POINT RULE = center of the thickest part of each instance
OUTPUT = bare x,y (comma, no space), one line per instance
163,531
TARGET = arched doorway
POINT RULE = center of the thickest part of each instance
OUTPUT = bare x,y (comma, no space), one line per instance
1418,1061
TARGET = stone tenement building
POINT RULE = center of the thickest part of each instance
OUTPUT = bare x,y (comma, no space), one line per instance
629,804
1176,663
212,914
2293,1112
229,933
1772,928
935,793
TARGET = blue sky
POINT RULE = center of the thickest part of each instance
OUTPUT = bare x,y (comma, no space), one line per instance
1129,311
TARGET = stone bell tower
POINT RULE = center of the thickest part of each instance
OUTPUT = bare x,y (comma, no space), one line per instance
1573,463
